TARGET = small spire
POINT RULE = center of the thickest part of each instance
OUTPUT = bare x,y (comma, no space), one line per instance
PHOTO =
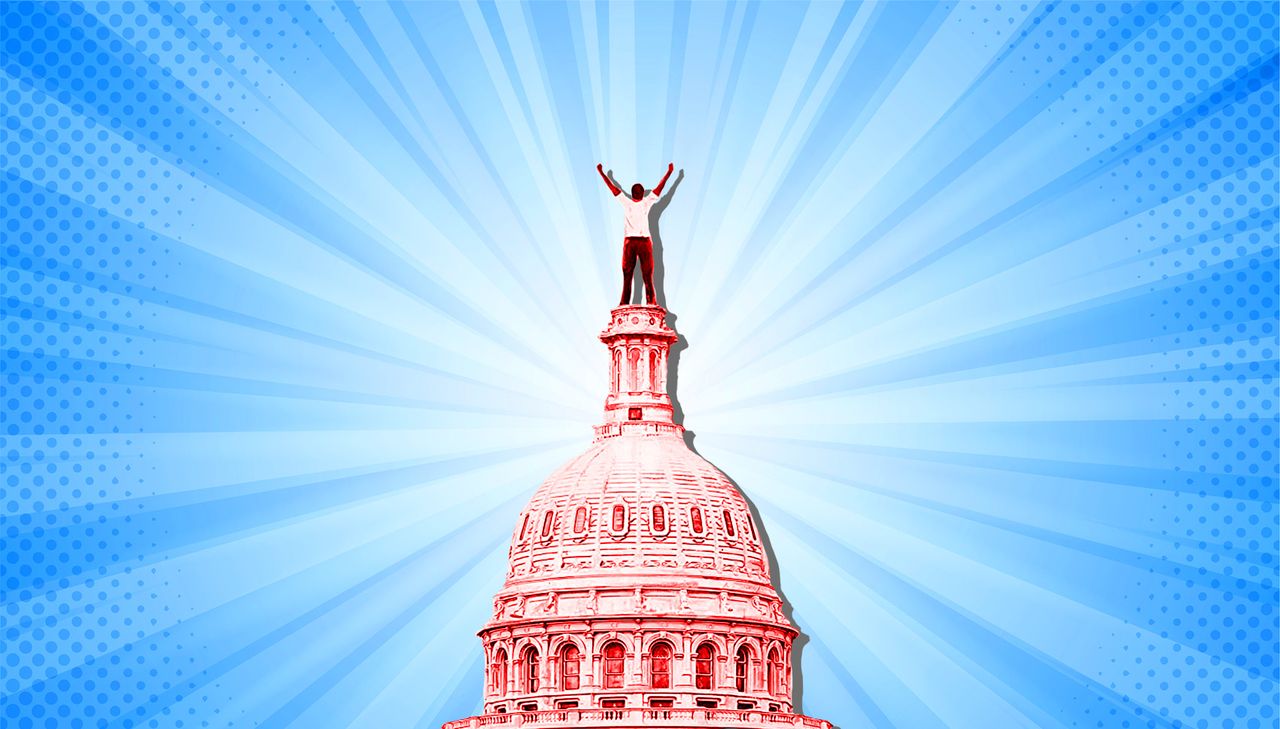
639,343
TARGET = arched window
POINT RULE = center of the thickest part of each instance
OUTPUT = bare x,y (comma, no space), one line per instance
728,522
617,370
695,519
570,667
704,661
498,672
619,522
615,658
660,666
775,671
633,380
547,522
524,526
530,682
659,519
741,667
580,520
653,370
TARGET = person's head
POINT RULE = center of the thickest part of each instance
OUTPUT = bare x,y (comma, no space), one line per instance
637,191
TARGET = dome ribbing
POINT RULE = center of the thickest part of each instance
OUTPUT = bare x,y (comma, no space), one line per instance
644,506
638,590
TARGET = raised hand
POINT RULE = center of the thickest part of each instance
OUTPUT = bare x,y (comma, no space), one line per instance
612,188
658,190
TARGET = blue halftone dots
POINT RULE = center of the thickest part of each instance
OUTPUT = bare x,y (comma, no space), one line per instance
123,120
77,255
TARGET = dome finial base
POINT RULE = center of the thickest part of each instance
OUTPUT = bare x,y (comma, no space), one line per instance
639,342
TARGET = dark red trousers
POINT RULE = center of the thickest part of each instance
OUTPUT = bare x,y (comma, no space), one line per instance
633,248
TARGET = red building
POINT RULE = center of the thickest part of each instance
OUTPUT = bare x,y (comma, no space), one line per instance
638,590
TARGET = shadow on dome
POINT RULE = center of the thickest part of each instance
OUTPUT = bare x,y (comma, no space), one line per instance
802,639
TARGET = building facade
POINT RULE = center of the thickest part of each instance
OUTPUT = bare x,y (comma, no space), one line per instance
638,591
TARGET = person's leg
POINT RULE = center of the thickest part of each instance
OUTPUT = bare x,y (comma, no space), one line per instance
646,267
628,269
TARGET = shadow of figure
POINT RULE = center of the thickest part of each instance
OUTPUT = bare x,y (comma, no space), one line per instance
659,266
637,276
797,646
673,383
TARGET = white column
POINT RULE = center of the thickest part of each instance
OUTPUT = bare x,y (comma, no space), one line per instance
637,640
685,662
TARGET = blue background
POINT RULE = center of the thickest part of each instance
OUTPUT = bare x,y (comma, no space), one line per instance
300,306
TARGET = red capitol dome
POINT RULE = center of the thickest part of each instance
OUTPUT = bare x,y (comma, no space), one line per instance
638,590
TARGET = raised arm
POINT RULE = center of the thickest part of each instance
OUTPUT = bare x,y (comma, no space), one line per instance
612,188
658,190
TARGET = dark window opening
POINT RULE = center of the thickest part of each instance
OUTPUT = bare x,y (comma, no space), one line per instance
612,703
660,666
633,376
746,705
570,667
499,671
634,413
524,526
695,519
531,670
774,672
707,703
567,704
547,522
619,518
728,522
703,665
614,665
529,706
741,665
661,703
580,520
659,518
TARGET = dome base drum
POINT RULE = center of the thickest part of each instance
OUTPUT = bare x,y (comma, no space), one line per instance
638,591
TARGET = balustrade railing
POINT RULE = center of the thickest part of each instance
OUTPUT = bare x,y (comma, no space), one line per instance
640,716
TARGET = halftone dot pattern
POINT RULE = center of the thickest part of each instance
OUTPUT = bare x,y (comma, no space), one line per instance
79,604
1217,612
1216,596
299,303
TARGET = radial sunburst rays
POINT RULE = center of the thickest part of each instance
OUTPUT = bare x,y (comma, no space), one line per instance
300,306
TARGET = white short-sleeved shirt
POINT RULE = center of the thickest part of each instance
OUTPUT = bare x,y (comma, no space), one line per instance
635,214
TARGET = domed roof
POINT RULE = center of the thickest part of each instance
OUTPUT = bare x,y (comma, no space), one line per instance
636,506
